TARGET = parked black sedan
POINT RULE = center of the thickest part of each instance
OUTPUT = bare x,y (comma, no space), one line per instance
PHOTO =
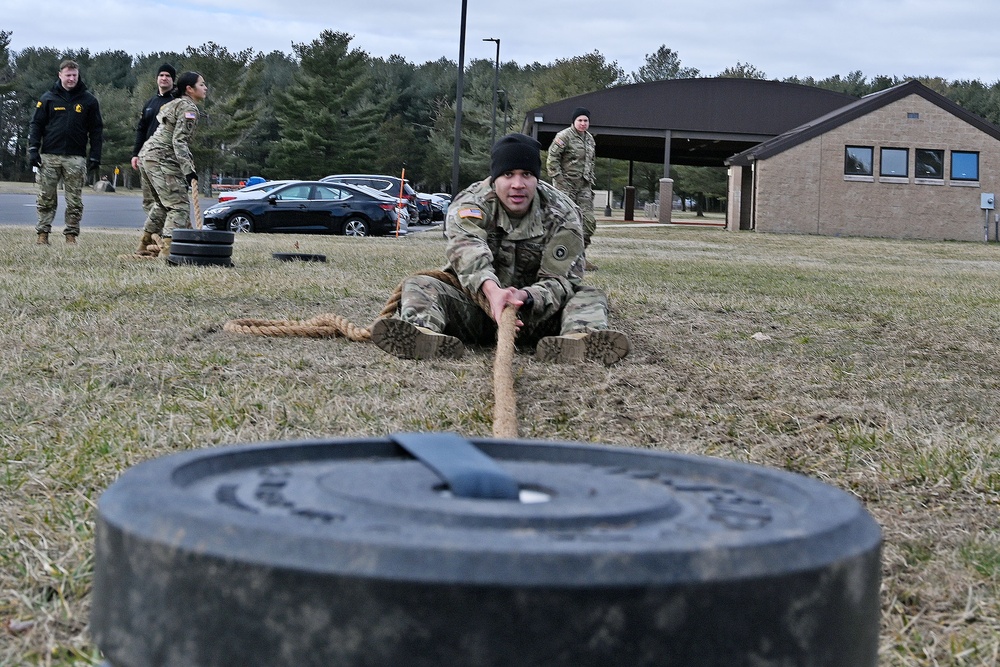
309,207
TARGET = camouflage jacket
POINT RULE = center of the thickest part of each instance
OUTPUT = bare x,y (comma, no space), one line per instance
170,142
570,161
541,252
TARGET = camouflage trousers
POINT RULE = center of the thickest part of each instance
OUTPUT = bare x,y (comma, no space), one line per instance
428,302
154,215
170,207
71,170
582,196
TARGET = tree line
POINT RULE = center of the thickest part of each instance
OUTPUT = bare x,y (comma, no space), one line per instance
329,108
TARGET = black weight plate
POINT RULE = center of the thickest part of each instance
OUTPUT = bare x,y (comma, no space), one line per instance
201,249
349,552
298,256
203,236
198,260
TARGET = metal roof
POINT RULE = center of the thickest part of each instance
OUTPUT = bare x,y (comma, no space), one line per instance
708,119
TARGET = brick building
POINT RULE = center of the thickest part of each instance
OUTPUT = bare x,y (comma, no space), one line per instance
905,162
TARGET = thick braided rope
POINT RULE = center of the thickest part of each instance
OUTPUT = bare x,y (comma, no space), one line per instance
504,399
331,325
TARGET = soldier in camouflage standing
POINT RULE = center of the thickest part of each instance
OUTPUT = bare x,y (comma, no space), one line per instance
147,126
570,165
65,118
519,242
166,162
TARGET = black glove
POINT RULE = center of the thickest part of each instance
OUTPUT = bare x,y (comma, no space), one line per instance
93,164
191,177
34,158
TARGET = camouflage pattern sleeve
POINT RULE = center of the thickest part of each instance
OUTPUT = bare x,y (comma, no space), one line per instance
553,162
186,120
590,160
468,251
561,269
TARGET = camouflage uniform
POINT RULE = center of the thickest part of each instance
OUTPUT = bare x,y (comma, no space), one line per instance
165,160
72,171
570,165
146,128
541,253
63,122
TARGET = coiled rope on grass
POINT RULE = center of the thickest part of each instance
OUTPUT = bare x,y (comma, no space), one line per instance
331,325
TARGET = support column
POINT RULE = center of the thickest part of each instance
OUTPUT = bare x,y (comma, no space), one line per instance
666,199
629,203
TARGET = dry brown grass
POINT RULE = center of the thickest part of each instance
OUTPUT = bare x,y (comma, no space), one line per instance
869,364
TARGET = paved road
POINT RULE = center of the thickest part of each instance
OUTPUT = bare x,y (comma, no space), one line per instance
99,210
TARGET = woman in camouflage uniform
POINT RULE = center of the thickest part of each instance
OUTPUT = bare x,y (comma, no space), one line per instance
166,162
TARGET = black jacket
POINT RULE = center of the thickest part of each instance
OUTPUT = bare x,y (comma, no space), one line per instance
63,122
147,120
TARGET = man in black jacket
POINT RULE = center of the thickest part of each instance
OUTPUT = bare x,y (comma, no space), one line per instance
165,77
65,118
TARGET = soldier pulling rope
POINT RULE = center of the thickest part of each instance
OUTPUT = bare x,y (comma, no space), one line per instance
514,244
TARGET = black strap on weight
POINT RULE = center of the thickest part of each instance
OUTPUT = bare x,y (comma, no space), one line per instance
465,469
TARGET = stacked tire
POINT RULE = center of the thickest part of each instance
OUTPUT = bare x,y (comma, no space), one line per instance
202,247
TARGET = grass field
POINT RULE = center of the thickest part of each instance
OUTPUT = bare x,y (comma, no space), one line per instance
869,364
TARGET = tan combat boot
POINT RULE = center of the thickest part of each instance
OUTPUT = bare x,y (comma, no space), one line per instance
165,247
43,238
409,341
71,239
147,240
607,346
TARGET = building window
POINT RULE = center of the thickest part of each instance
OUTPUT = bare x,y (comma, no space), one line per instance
894,162
964,166
858,160
928,163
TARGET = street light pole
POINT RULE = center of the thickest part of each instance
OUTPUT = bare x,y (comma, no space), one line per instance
496,82
458,106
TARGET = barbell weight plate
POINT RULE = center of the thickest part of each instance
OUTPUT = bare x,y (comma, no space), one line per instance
352,552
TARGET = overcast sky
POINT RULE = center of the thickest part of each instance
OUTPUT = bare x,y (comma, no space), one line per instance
952,39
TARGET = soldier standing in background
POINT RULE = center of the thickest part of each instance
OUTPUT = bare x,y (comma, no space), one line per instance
519,242
165,160
570,165
147,126
65,118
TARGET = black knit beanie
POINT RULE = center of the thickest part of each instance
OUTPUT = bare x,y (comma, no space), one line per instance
580,111
169,69
515,151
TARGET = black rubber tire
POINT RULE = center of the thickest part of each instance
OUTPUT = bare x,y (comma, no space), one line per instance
355,227
241,223
298,256
198,260
349,552
214,236
201,249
